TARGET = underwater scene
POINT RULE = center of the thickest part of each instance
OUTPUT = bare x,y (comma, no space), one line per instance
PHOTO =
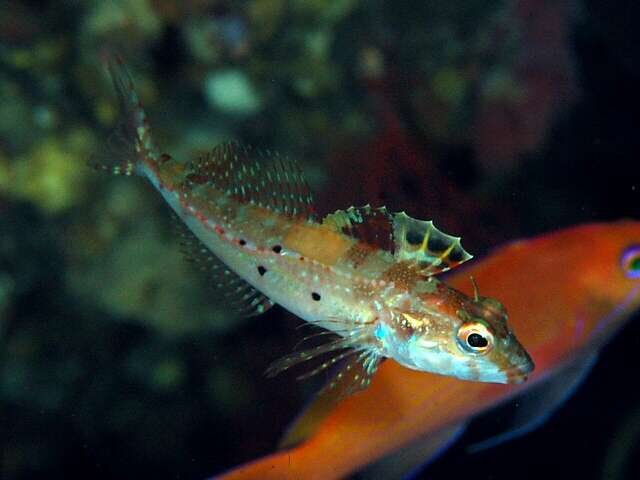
232,236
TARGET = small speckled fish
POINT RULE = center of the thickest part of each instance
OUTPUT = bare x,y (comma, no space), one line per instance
365,274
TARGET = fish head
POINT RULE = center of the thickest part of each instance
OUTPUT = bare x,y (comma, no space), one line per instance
453,334
607,286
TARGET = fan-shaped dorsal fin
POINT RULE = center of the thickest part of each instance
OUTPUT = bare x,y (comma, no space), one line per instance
409,240
420,241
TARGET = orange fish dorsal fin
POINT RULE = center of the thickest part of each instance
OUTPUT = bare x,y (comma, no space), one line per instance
409,240
250,176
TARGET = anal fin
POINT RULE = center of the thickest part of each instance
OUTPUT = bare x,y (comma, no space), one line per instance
245,299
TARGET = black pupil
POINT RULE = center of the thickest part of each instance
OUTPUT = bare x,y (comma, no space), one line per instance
476,340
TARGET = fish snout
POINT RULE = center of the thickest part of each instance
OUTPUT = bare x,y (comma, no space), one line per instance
520,368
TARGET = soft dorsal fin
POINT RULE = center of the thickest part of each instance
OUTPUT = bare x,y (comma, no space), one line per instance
238,294
249,176
408,239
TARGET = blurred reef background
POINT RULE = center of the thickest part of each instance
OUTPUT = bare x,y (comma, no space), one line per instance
496,118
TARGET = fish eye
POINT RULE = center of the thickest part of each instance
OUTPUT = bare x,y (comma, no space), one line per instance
475,337
631,261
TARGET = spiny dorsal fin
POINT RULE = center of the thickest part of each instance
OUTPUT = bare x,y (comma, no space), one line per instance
246,300
373,226
410,240
420,241
249,176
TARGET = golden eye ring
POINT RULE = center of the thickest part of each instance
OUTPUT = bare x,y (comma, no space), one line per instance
475,337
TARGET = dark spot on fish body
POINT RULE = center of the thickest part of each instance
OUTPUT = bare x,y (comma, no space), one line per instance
315,296
276,248
261,270
242,242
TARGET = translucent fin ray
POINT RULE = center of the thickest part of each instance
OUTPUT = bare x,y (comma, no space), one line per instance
373,226
420,241
410,240
240,295
353,375
302,356
249,176
131,138
354,343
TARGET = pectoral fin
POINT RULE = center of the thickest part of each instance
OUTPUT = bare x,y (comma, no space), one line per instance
535,407
352,375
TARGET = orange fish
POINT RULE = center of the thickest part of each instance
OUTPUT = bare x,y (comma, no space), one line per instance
567,293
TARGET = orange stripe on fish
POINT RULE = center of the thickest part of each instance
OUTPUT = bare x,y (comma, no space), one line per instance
317,243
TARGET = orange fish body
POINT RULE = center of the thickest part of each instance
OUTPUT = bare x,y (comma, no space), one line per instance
566,292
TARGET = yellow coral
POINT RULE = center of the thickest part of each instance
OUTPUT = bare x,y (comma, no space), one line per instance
53,175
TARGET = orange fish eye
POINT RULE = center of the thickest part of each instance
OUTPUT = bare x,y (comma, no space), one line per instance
475,337
631,261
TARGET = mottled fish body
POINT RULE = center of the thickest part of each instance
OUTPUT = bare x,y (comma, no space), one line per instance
366,274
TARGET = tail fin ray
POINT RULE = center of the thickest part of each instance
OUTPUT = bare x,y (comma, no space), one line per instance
131,140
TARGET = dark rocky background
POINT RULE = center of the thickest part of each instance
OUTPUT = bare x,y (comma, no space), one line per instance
497,119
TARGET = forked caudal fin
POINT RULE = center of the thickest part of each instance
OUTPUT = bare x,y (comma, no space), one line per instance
131,139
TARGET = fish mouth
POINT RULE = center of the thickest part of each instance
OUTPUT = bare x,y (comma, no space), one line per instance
520,371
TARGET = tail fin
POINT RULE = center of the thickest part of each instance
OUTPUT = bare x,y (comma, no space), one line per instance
131,141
